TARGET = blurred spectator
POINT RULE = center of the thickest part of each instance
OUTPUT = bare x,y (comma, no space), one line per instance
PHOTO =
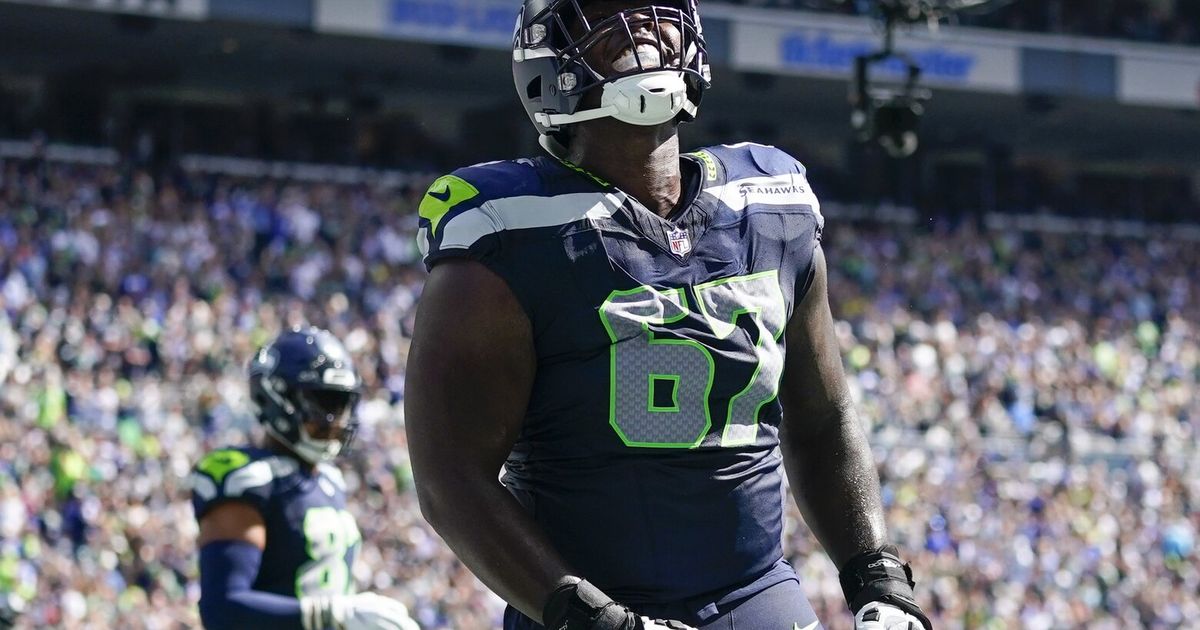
1030,396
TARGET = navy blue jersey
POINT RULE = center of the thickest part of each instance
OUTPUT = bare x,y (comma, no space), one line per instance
311,539
649,452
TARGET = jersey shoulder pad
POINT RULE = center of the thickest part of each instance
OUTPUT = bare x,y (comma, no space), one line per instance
758,176
474,186
454,214
246,474
747,158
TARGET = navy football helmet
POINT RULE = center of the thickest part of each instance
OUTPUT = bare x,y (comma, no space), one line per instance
553,39
305,388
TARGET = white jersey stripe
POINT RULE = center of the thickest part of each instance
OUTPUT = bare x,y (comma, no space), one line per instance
252,476
517,213
464,229
780,190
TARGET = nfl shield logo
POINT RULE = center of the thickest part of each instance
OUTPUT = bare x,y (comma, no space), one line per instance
681,244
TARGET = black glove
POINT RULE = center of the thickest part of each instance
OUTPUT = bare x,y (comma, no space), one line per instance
581,606
880,576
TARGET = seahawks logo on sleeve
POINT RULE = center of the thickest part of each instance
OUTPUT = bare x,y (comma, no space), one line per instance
232,473
458,210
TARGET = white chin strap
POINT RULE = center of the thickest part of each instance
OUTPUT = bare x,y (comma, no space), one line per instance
308,449
316,451
647,99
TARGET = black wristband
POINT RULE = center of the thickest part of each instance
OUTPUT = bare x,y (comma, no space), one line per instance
578,605
880,576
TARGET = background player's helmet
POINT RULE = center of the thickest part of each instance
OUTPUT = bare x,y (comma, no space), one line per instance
552,75
305,376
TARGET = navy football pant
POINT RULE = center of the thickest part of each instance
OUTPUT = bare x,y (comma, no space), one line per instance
781,606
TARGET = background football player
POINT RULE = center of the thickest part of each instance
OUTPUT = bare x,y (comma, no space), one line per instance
610,325
276,541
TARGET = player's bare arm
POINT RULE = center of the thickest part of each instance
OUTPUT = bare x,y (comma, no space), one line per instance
825,450
828,459
231,541
471,333
234,521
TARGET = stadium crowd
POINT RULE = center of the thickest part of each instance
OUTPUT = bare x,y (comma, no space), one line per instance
1166,21
1030,396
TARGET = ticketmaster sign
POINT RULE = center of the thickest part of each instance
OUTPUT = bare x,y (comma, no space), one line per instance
820,45
486,23
823,52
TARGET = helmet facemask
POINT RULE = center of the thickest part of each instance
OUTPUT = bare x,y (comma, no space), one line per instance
573,36
329,415
317,424
658,76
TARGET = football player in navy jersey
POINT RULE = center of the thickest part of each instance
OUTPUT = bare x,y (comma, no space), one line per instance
643,341
276,542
